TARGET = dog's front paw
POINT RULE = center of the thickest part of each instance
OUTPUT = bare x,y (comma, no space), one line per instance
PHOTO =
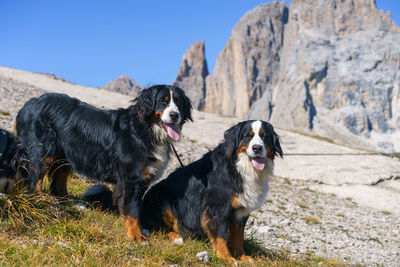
246,258
133,230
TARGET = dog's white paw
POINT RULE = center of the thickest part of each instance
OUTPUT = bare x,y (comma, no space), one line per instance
178,241
80,206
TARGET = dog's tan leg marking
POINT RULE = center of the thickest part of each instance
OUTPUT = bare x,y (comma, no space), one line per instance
219,244
133,229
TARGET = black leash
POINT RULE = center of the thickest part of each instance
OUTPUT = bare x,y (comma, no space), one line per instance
176,154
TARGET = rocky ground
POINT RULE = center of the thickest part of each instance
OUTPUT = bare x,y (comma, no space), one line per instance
303,221
296,215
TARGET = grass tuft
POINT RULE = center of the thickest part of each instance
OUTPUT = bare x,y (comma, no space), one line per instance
4,113
302,205
21,210
311,220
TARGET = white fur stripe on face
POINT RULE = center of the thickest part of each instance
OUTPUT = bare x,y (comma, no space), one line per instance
256,140
171,107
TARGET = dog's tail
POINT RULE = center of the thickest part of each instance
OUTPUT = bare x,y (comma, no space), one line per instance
99,196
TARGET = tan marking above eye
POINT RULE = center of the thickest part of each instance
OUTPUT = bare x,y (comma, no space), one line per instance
251,133
176,96
166,98
261,132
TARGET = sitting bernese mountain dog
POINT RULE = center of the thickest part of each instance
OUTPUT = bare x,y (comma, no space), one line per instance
13,162
127,147
215,195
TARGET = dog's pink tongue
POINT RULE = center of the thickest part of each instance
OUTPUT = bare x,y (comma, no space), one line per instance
172,131
258,163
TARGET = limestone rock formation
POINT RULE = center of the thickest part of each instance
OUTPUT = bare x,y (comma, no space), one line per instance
123,85
192,74
249,63
339,74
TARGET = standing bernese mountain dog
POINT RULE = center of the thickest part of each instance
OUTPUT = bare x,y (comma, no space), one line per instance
128,147
215,195
13,162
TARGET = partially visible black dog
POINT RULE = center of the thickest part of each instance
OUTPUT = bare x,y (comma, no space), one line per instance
214,195
128,147
13,162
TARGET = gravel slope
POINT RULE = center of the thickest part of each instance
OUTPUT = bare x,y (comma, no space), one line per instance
359,223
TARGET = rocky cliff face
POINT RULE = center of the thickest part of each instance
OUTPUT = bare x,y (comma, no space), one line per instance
192,74
123,85
339,74
249,63
325,67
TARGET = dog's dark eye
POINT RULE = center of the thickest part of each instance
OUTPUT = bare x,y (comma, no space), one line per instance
261,133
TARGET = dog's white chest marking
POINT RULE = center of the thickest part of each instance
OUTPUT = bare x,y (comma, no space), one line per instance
161,154
255,185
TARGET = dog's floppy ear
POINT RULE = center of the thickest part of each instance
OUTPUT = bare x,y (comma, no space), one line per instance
231,139
187,108
277,145
146,101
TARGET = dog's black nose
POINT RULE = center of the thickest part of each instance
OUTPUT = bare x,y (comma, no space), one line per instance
257,148
174,115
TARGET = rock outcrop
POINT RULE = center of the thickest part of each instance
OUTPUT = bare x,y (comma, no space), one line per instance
339,74
192,74
326,67
123,85
249,63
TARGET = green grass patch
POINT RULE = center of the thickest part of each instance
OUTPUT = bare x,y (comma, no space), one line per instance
375,240
45,231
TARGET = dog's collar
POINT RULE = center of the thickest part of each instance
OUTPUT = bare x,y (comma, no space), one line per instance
3,142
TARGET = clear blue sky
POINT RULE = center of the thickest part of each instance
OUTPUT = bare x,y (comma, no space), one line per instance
93,42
